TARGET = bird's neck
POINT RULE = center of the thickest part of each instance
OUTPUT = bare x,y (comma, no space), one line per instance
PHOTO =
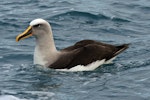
45,50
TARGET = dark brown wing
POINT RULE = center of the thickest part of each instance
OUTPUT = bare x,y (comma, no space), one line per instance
81,56
86,42
86,52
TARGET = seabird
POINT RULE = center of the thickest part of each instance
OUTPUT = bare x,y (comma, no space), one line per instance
85,55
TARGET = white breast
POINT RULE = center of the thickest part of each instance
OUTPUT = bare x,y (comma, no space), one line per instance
39,58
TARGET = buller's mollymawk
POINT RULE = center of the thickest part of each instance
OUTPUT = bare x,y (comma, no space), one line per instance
84,55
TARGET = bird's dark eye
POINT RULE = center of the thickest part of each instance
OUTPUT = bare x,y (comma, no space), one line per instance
38,25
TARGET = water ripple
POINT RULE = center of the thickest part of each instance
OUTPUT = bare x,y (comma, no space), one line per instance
111,21
76,14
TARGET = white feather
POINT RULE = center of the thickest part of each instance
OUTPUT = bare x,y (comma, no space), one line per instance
37,21
39,58
88,67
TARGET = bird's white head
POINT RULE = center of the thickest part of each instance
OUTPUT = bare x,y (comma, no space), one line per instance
38,28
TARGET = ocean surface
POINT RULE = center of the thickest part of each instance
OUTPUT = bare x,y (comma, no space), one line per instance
109,21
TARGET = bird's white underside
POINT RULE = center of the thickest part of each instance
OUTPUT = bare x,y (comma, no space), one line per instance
88,67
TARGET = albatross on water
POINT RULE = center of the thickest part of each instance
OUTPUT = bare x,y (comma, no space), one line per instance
85,55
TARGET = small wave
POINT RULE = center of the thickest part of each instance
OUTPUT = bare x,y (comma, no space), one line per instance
77,14
14,2
10,97
125,5
146,8
120,19
19,56
55,3
55,24
81,14
2,23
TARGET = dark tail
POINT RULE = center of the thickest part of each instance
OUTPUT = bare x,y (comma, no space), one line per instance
121,48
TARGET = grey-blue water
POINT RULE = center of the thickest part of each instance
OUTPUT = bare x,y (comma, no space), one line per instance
110,21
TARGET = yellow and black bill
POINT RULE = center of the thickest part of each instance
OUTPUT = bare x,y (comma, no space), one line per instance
27,33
